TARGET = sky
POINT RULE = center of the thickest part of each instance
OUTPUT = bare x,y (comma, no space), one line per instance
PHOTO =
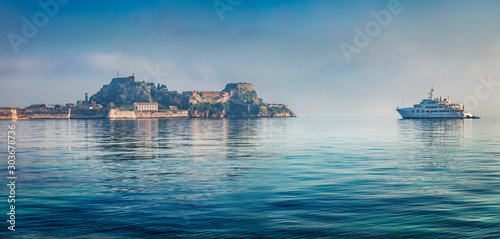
322,58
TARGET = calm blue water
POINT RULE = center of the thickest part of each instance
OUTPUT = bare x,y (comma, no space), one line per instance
261,178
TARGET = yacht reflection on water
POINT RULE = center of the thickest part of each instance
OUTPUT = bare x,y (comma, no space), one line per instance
431,153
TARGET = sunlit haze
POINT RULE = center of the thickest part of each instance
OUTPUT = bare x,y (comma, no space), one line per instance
291,51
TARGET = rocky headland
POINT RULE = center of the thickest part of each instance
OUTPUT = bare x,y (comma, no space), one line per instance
118,98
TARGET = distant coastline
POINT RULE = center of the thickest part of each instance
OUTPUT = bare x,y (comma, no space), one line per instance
127,98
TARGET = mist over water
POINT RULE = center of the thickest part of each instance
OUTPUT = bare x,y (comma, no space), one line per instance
271,178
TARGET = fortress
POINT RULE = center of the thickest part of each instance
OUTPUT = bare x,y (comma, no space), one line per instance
124,80
80,113
125,97
207,94
239,87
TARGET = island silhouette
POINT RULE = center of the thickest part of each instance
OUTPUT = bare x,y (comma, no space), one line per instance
126,97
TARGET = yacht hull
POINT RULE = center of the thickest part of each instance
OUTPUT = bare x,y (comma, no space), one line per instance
407,113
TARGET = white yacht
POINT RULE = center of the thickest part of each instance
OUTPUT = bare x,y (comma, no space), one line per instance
435,108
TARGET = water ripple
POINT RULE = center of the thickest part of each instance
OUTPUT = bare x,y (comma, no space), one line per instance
262,178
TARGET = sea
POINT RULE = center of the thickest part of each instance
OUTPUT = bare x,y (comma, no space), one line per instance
343,177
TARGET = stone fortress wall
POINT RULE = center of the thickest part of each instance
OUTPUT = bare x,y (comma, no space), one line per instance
43,113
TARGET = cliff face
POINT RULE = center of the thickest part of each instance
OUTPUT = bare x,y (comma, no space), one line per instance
241,91
241,101
236,100
206,114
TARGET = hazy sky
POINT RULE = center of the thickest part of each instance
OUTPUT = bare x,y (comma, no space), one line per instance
290,50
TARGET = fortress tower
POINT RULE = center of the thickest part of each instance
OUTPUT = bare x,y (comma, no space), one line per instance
124,80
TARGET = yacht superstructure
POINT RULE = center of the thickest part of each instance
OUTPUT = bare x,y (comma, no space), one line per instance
435,108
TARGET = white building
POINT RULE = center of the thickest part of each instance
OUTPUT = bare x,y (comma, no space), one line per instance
145,106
